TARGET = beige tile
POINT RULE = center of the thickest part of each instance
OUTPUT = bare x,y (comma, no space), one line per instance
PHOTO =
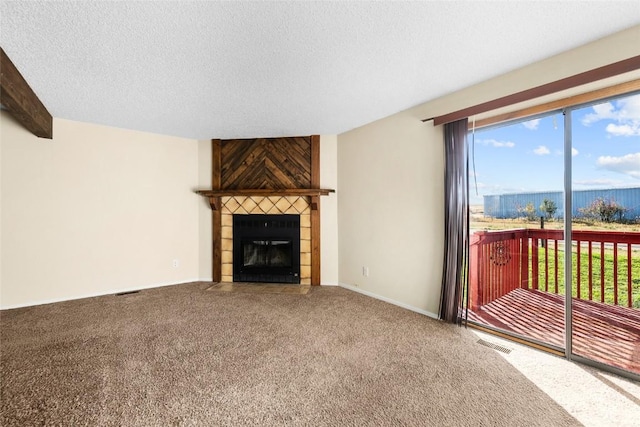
305,233
227,232
227,244
227,257
223,203
282,204
227,278
305,258
305,220
305,246
249,204
305,271
306,282
292,199
266,206
227,220
301,204
240,199
231,205
227,269
291,210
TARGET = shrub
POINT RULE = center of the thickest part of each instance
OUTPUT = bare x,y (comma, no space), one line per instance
549,208
528,212
604,210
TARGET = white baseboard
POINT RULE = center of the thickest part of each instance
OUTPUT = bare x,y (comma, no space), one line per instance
329,284
96,294
389,300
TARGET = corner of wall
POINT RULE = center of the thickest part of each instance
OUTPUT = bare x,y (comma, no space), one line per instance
205,244
114,211
329,210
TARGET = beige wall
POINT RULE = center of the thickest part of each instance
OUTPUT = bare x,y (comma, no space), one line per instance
390,204
96,210
390,210
205,251
329,210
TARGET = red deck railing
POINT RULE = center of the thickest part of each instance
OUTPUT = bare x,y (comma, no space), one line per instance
501,261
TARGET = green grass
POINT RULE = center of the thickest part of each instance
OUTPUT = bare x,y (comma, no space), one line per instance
584,272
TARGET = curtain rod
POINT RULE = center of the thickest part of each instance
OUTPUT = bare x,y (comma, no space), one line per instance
614,69
583,98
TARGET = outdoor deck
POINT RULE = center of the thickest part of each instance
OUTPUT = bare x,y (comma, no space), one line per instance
606,333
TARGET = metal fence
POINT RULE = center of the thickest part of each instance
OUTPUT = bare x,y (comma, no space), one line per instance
514,205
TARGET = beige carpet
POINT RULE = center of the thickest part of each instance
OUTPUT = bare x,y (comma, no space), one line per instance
182,355
260,288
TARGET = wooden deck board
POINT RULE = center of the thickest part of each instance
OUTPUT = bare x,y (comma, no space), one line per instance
601,332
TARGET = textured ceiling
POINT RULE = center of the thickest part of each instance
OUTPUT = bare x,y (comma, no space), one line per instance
256,69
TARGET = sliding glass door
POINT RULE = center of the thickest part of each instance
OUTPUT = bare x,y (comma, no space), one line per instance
516,283
605,225
573,174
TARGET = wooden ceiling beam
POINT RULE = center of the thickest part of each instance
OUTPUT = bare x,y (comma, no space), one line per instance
21,101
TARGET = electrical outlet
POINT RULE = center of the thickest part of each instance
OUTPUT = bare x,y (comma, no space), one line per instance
365,271
176,263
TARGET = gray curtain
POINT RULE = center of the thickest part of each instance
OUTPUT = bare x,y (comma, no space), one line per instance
456,221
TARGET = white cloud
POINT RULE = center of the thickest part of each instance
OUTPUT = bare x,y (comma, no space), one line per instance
631,129
574,152
628,164
541,150
532,124
496,143
601,112
625,113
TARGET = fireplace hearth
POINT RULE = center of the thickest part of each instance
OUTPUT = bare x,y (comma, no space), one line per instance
266,248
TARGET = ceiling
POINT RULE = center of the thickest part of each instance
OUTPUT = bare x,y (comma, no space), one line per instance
257,69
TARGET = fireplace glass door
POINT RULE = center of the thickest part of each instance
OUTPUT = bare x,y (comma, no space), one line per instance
267,253
266,248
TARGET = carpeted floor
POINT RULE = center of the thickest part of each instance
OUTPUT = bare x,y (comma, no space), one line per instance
181,355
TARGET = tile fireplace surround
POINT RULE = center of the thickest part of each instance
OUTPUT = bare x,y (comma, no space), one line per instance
260,205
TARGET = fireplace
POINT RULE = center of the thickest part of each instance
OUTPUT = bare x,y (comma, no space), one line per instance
265,176
266,248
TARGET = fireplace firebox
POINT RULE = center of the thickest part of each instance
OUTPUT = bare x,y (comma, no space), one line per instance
266,248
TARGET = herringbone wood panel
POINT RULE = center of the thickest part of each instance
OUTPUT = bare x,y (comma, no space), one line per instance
266,163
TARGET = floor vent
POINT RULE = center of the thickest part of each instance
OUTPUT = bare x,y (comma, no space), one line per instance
494,346
126,293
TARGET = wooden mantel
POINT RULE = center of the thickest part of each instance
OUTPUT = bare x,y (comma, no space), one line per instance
267,193
214,195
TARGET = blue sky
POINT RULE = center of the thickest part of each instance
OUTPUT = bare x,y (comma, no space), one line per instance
528,156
